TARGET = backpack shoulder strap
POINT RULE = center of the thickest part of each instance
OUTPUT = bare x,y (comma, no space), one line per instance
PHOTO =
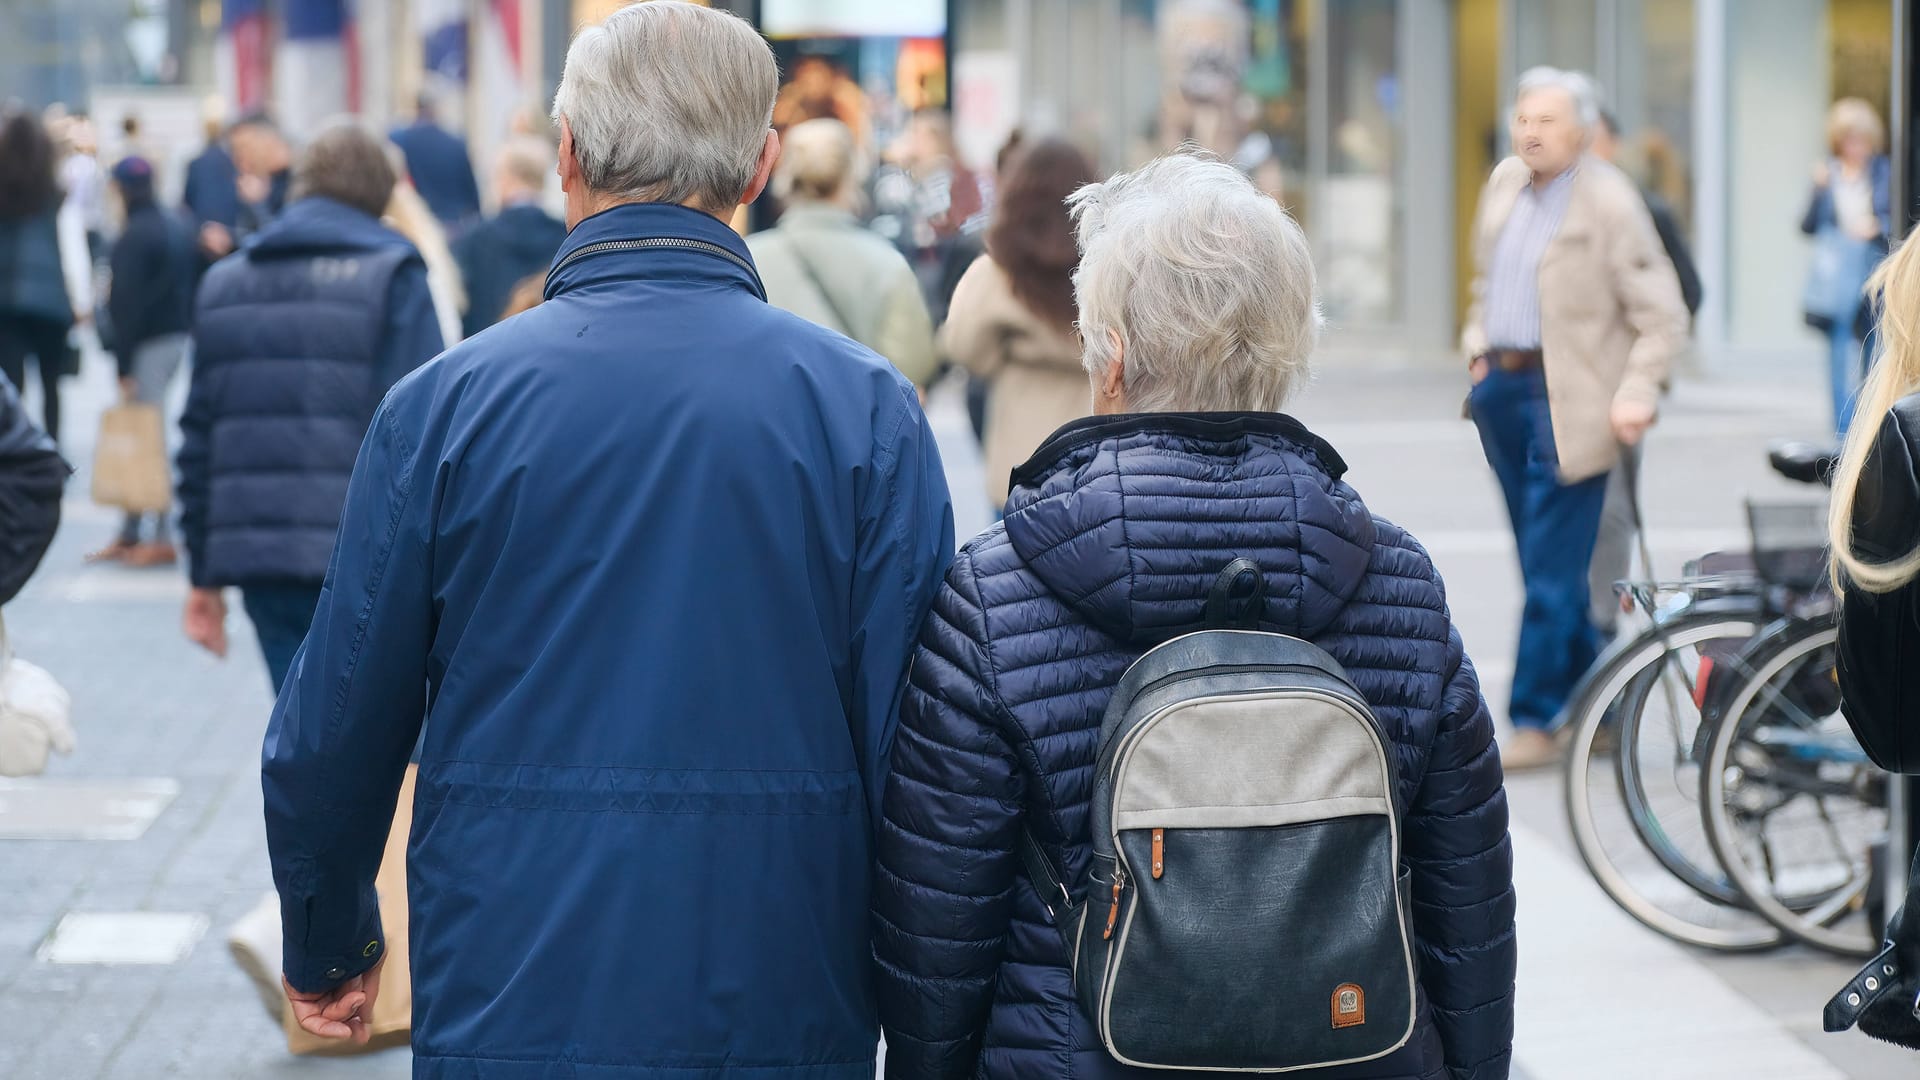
798,250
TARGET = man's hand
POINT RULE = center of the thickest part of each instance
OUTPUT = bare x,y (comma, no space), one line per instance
215,239
1477,369
340,1013
205,620
1631,419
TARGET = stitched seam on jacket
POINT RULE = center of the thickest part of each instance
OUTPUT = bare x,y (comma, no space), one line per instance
344,688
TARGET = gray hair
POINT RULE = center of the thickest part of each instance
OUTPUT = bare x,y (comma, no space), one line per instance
1579,88
668,102
1204,279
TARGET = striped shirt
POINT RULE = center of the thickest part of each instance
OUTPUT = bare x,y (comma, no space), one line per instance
1513,281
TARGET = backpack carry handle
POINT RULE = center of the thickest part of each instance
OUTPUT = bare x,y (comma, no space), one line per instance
1238,597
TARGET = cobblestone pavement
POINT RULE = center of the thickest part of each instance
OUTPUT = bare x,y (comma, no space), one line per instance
148,705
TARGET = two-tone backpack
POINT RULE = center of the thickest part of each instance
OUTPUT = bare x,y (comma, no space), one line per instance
1244,910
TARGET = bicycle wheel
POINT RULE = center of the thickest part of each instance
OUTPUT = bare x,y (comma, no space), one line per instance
1791,804
1633,808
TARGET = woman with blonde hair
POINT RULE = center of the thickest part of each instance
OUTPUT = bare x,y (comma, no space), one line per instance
407,214
1849,216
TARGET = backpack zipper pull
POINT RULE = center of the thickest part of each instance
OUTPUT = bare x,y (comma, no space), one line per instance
1113,913
1159,853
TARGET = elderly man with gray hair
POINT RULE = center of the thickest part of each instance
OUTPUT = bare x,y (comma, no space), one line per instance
1576,317
1196,300
646,562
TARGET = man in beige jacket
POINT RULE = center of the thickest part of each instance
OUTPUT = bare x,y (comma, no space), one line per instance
1576,316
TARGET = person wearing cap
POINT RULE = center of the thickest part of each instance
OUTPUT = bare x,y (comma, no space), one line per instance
151,306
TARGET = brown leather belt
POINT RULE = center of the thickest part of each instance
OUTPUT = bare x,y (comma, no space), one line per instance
1511,360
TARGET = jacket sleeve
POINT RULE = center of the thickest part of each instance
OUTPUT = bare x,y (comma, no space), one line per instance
943,892
194,467
1880,633
129,265
969,338
337,745
1462,875
903,544
1648,292
1473,327
413,327
905,335
1817,202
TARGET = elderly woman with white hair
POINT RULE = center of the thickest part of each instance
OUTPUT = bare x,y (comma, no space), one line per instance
1196,301
822,265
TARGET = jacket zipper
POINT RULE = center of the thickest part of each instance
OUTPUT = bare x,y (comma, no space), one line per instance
672,242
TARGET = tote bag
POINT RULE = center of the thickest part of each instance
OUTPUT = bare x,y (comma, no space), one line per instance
130,462
1836,277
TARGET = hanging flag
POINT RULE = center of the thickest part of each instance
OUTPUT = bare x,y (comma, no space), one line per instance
312,75
243,55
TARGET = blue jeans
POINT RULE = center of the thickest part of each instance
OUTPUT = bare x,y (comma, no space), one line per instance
1554,526
281,615
1845,368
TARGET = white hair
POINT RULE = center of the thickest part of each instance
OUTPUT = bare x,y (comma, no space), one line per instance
1205,282
1579,88
668,102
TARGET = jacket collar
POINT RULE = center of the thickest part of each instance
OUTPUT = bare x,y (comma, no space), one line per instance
818,216
706,249
1214,425
317,223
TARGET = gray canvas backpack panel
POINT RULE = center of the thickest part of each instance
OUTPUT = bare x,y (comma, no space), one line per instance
1243,910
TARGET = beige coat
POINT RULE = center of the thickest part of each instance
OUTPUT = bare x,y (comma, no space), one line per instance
820,264
1033,366
1611,317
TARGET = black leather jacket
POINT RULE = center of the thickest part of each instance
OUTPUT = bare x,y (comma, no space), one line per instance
1880,634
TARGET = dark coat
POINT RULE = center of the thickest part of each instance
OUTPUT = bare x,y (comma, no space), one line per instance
212,192
1113,534
296,338
32,479
498,254
1681,256
32,284
1880,634
648,560
442,172
154,267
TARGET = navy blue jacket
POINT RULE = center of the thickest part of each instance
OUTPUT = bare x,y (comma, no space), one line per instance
648,561
212,192
1113,534
441,171
296,338
154,267
31,282
496,255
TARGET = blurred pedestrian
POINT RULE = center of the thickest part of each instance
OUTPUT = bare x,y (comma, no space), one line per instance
1874,526
295,341
1011,323
1576,317
408,215
517,241
211,193
264,162
150,305
564,539
1620,517
441,169
33,707
77,147
45,275
1849,216
820,264
1197,301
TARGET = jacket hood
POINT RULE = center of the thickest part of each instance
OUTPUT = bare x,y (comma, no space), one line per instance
1129,519
319,224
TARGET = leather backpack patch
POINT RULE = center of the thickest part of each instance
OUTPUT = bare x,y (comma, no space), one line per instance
1349,1005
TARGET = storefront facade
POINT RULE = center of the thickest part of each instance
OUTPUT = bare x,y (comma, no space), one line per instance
1375,121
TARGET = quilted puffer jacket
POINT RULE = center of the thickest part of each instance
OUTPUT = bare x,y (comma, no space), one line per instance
1113,533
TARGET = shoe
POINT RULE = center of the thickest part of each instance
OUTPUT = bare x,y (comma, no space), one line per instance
157,553
1529,748
113,552
254,942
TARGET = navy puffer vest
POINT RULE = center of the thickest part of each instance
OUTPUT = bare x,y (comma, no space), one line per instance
285,348
31,283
